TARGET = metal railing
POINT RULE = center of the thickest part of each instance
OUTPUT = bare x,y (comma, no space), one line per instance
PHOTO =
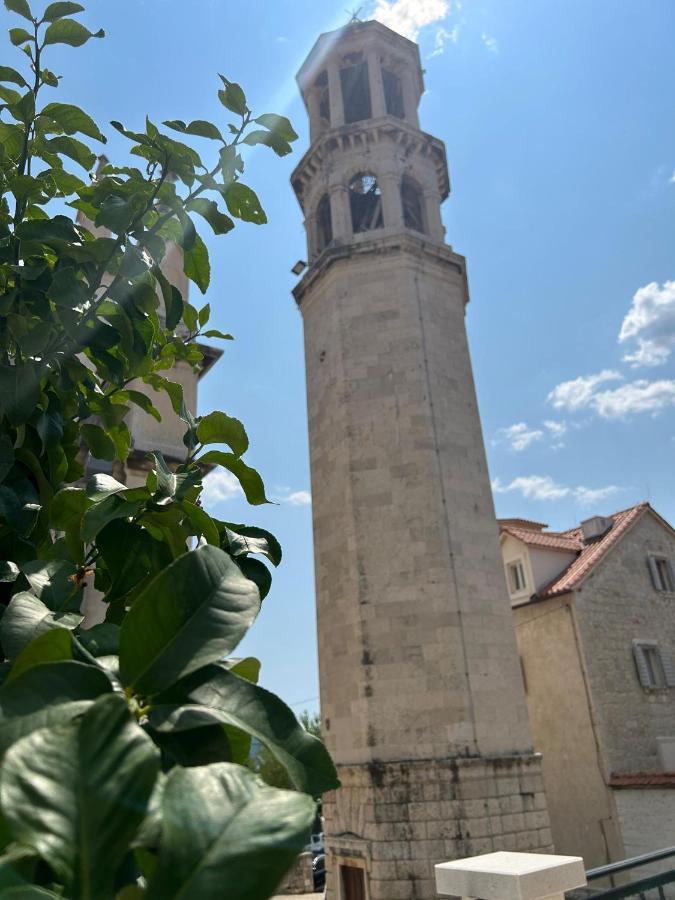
645,888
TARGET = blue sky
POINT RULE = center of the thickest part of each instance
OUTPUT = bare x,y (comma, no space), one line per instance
560,133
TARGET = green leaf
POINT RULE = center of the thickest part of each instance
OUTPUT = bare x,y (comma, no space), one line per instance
73,149
202,522
194,612
50,684
249,479
279,125
68,31
233,97
217,695
19,36
172,388
76,793
26,618
21,7
101,640
9,74
214,333
19,392
52,581
9,571
17,868
60,9
73,120
126,569
29,892
244,539
100,487
199,128
173,300
100,444
243,203
145,403
269,139
223,826
99,515
219,428
208,209
196,264
47,647
6,456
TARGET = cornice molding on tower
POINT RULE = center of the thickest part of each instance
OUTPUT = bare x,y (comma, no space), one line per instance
399,243
371,132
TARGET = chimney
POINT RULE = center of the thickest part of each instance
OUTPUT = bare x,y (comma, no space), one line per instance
595,527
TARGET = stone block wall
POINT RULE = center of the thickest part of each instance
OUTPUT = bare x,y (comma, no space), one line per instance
396,820
300,880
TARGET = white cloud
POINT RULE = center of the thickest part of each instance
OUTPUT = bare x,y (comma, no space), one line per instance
588,496
557,431
636,397
671,180
407,17
441,38
490,42
579,392
518,436
651,321
543,487
219,487
298,498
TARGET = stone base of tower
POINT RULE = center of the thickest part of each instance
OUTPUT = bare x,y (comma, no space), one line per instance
391,822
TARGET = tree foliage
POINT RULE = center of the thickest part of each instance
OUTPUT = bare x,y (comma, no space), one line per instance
124,747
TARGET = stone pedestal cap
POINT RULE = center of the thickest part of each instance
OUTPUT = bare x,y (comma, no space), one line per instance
510,876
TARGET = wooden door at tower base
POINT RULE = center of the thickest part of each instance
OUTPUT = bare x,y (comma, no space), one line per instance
353,883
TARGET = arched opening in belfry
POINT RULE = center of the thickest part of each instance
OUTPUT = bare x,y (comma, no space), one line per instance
412,203
321,85
355,88
365,202
324,224
393,93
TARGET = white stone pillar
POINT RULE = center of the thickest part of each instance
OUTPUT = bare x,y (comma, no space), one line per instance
339,210
510,876
392,207
337,107
313,102
378,106
409,98
432,215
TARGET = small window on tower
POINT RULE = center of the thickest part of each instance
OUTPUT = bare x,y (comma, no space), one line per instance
356,91
324,224
321,84
411,200
365,202
393,94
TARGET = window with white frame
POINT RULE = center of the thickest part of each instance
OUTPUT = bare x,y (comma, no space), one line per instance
661,569
517,580
654,668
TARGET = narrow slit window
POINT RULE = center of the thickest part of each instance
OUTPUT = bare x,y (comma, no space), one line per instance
517,581
321,84
393,94
324,223
365,202
411,200
356,92
654,670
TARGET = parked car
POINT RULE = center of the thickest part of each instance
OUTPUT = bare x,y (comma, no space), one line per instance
319,871
316,845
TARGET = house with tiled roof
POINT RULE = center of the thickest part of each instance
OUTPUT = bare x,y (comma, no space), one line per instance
594,610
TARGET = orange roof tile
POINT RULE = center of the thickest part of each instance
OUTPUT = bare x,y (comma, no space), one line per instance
589,553
552,540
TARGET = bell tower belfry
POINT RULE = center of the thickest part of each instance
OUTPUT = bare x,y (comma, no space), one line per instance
422,696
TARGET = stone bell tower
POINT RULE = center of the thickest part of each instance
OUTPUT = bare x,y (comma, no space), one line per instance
422,696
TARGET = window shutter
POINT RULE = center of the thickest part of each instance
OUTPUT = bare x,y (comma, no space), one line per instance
668,668
671,569
656,581
641,665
